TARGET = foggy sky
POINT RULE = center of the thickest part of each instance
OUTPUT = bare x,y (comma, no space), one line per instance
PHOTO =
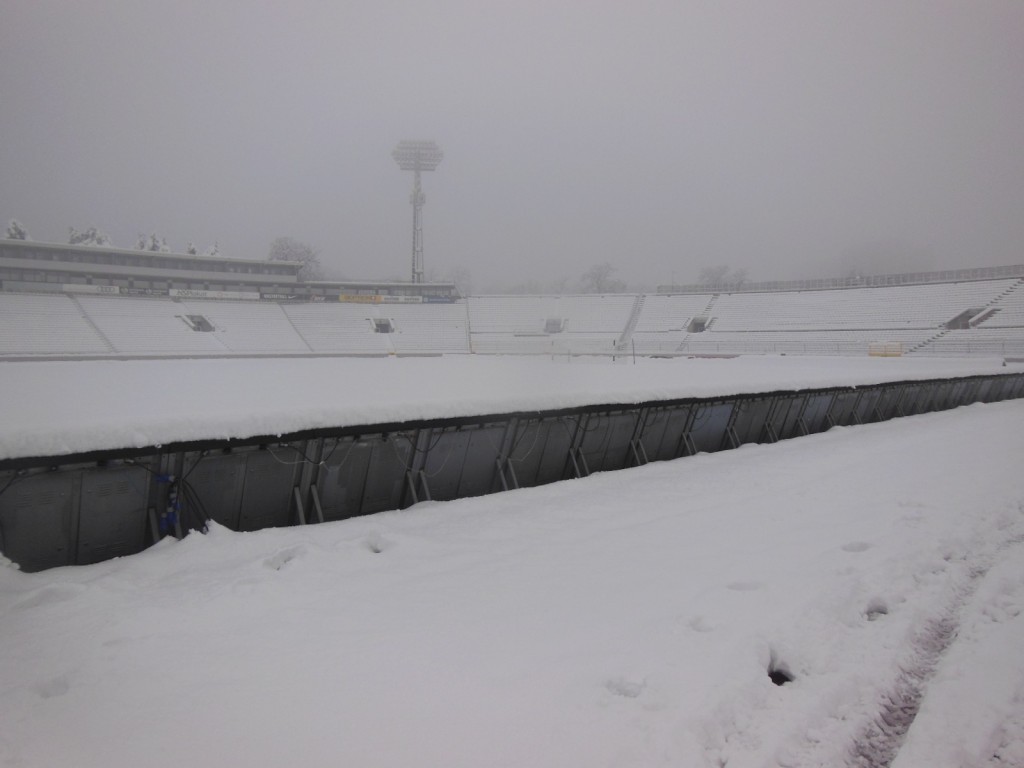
789,138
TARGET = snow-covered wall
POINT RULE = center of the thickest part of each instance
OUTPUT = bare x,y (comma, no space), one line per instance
58,408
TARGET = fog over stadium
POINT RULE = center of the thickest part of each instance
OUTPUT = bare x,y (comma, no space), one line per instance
790,139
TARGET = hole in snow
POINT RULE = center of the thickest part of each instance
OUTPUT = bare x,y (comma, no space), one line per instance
778,671
377,543
875,609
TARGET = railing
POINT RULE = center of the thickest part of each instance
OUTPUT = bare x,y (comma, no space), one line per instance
869,281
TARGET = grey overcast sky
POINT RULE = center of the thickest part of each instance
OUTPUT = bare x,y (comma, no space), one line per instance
788,138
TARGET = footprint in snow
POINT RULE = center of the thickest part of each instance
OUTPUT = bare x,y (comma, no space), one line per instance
621,686
56,686
279,560
856,546
55,593
745,586
701,624
876,609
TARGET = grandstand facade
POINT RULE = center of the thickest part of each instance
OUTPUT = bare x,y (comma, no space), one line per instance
60,301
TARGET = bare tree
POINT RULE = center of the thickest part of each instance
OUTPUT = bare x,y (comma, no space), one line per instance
598,279
462,277
290,249
722,277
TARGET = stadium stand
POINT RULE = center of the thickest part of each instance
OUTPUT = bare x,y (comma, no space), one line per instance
150,326
818,342
663,321
74,301
249,326
39,324
427,328
336,328
903,307
584,324
1007,311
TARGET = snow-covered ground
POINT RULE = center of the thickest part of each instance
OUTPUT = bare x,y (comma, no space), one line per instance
628,619
52,409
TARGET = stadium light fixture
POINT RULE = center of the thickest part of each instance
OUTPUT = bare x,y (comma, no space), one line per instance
417,156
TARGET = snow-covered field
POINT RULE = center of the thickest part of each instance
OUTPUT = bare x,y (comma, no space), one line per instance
52,409
628,619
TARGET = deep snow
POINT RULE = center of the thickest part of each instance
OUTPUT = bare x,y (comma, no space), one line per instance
57,408
628,619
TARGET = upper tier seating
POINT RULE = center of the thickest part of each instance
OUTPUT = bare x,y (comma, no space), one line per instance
911,319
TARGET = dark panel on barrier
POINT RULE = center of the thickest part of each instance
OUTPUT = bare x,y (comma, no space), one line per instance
971,390
37,516
866,403
749,419
950,398
784,418
479,472
606,439
113,518
541,450
442,463
342,478
527,450
912,400
984,392
888,401
1003,388
843,411
707,431
217,482
385,486
938,395
663,431
270,476
814,416
554,457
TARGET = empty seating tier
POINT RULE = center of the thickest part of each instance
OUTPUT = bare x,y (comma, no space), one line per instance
962,318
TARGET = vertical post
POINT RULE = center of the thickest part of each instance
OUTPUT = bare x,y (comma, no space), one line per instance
417,199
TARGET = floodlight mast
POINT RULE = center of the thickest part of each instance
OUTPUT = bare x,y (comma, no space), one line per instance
417,156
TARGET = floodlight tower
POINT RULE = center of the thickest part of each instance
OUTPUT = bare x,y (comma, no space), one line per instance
417,156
